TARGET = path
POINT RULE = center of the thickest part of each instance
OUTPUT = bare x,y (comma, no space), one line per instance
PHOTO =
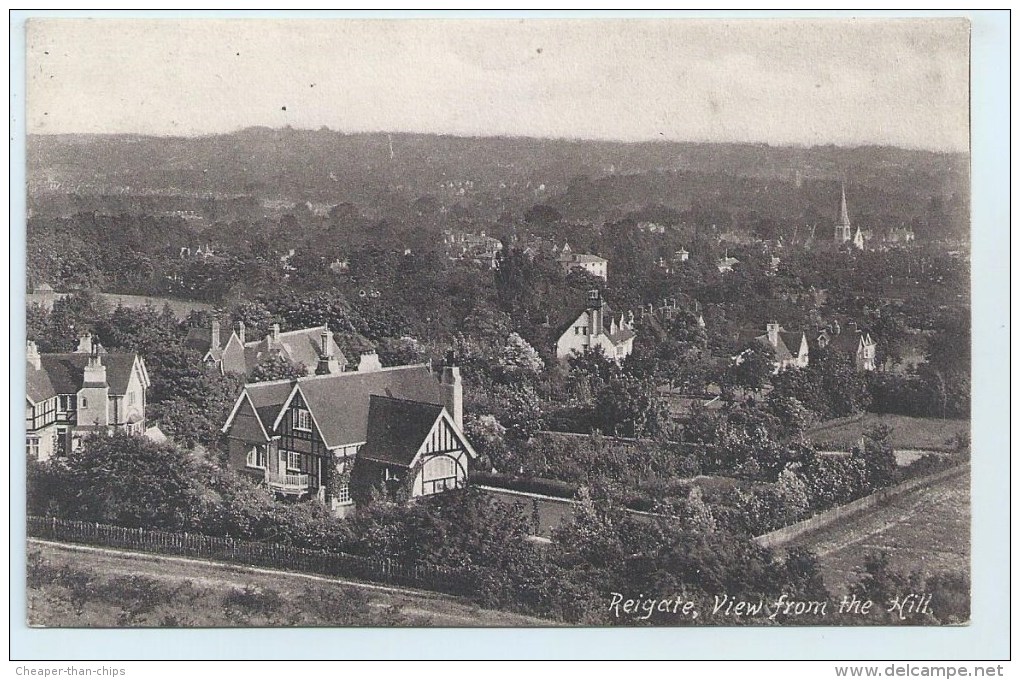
426,607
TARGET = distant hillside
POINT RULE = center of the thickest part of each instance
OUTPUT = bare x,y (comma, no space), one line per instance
491,173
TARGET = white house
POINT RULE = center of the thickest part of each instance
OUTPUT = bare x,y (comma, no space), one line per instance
596,326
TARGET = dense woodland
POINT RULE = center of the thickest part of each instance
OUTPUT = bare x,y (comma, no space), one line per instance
113,214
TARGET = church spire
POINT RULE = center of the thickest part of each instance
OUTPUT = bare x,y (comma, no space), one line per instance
841,234
844,217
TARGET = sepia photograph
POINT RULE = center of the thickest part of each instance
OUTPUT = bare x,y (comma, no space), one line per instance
515,323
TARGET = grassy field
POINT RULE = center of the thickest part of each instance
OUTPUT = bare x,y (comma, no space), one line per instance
927,529
76,586
181,308
928,434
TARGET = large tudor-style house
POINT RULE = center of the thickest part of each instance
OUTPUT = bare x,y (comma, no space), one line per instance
235,354
87,391
336,436
594,327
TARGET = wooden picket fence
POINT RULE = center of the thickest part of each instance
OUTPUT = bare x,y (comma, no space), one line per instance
253,553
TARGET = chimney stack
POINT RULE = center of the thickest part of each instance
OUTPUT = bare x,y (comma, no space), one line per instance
369,362
94,395
215,339
276,332
453,390
773,333
32,354
328,365
240,332
84,344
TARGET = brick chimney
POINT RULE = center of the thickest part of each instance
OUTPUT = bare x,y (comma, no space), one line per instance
84,344
328,365
453,390
595,311
32,354
215,339
369,362
240,332
773,332
276,332
94,395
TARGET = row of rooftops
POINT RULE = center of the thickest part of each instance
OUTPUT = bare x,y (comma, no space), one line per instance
50,375
236,354
786,344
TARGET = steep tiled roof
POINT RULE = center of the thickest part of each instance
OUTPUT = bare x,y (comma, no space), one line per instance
39,387
582,258
340,403
397,428
200,339
299,346
622,335
782,351
791,340
566,322
847,341
65,374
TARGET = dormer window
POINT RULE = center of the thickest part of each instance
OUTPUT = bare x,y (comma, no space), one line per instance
302,419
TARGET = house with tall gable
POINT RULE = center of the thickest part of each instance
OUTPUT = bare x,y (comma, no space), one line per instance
233,353
336,436
859,344
596,326
593,264
70,395
791,349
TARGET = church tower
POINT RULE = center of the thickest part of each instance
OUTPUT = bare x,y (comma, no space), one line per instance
842,233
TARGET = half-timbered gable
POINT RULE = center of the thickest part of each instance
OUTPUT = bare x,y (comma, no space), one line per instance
305,438
415,445
443,457
301,451
70,395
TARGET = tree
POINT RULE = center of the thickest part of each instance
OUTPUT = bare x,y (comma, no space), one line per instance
277,367
518,409
631,408
487,436
400,351
518,360
72,316
131,481
845,387
879,458
191,401
591,370
753,368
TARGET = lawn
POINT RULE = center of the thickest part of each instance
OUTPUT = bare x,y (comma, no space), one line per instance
75,586
927,529
927,434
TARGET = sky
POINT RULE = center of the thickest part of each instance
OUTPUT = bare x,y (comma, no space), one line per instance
902,82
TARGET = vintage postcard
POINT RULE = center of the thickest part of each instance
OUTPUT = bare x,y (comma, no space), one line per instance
498,322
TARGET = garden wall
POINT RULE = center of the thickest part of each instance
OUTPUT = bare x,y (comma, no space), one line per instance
781,537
